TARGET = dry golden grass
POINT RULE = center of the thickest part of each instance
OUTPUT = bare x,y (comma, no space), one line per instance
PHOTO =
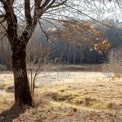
6,100
82,68
88,91
91,95
6,80
114,70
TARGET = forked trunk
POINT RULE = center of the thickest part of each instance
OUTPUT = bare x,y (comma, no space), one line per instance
21,83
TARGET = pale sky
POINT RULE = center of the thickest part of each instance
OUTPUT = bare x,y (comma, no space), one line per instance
92,8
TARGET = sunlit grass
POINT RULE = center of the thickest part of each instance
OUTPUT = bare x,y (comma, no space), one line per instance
6,100
95,95
77,94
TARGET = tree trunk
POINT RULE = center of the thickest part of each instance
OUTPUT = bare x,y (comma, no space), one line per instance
21,83
18,46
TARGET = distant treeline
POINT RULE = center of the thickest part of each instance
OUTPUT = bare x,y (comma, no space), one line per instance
62,51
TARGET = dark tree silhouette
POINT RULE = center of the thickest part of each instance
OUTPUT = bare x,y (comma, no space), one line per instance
19,42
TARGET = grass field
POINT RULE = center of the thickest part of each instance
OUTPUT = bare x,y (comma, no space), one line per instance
67,97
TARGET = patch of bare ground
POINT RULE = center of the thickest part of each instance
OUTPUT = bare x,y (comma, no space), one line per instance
81,97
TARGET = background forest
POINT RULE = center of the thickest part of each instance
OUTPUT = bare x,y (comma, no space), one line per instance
67,52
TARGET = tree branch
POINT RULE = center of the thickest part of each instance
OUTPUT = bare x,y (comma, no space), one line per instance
3,20
53,6
28,12
37,11
3,2
2,15
46,3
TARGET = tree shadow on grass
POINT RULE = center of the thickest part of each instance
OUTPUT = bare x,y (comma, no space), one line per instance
12,113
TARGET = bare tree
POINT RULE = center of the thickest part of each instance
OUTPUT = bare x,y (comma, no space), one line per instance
36,56
15,14
19,42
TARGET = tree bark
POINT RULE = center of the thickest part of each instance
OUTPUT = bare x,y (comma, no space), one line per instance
18,46
21,83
